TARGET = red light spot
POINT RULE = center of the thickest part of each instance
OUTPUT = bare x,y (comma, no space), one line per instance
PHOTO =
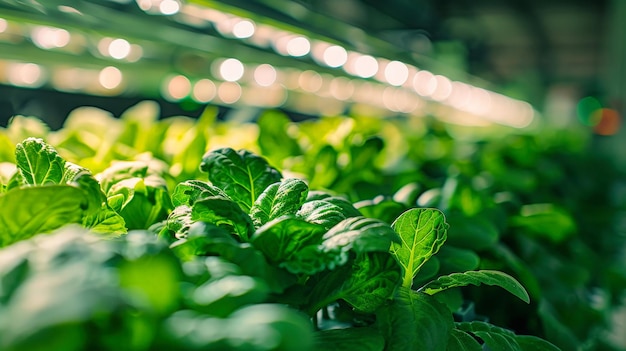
609,121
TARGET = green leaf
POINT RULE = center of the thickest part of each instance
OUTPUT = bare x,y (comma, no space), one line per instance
366,284
223,213
454,259
140,201
327,211
375,278
487,277
382,208
546,221
179,221
496,338
187,192
349,339
282,238
105,221
278,199
358,234
476,232
33,210
274,140
240,174
38,163
415,321
422,232
533,343
462,341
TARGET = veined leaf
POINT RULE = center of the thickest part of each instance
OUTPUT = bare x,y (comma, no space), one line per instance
365,284
462,341
33,210
38,163
187,192
422,232
223,213
533,343
358,234
283,237
500,339
415,321
496,338
242,175
327,211
488,277
279,199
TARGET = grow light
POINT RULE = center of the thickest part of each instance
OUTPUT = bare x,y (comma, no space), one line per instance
301,71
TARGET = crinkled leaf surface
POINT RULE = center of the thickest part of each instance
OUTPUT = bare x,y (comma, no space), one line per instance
327,210
223,213
365,284
279,199
33,210
284,237
358,234
242,175
422,232
38,163
487,277
187,192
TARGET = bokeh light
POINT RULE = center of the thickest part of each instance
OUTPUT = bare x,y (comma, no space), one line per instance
609,121
335,56
110,77
119,48
265,75
365,66
588,109
231,70
396,73
298,46
243,29
177,88
204,91
169,7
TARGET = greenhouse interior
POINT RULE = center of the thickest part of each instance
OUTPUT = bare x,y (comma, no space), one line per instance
258,175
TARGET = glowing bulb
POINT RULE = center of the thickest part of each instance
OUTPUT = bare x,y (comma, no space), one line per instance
265,75
424,83
49,37
335,56
177,88
119,48
110,77
365,66
169,7
443,88
229,92
243,29
231,70
26,74
298,46
310,81
396,73
204,90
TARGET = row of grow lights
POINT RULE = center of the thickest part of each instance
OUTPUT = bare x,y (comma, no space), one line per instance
339,79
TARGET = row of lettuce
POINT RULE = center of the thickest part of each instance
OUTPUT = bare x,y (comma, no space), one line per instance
333,240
